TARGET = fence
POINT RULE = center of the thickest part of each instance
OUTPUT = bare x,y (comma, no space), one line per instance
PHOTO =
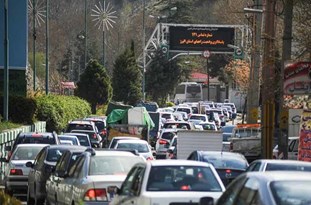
7,138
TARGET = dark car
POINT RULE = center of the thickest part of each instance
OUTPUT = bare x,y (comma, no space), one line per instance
227,164
42,167
83,138
100,123
95,138
33,138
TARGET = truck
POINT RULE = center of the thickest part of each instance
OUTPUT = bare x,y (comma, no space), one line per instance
191,140
246,140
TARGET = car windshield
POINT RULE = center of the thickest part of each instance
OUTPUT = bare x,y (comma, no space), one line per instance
225,162
83,140
198,117
73,140
79,127
26,153
182,178
141,148
38,139
291,192
54,154
112,165
100,125
208,127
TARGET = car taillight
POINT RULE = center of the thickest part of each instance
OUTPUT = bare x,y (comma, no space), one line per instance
228,171
16,172
162,141
96,195
103,132
150,158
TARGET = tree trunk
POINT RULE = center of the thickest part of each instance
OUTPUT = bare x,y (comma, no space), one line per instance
93,108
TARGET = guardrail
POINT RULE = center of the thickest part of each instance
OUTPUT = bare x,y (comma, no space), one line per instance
7,138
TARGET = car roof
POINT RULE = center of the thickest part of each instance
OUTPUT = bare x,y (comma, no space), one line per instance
81,122
108,152
276,161
76,133
132,141
281,175
125,137
219,153
69,136
31,134
178,162
64,146
32,145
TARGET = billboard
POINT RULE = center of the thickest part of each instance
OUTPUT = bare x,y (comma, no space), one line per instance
195,38
304,149
297,78
18,34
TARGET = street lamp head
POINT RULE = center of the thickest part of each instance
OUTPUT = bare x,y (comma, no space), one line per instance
250,10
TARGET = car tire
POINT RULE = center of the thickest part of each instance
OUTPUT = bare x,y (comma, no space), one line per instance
30,201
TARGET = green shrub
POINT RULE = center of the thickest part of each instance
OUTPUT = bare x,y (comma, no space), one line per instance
8,200
58,110
170,104
21,109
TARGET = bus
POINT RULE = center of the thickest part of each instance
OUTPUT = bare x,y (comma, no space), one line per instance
188,92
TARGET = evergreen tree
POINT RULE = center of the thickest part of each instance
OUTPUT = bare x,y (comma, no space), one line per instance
161,77
94,85
127,78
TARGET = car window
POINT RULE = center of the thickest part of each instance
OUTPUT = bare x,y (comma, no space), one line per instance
141,148
138,180
79,127
168,135
63,161
223,162
254,167
26,153
74,166
54,155
182,178
127,184
112,165
289,167
249,193
36,140
84,141
78,171
39,161
229,196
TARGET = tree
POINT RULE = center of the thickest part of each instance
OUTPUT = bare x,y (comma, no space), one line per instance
161,77
94,85
127,78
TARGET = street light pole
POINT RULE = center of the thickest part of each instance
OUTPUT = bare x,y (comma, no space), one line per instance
144,52
85,34
47,48
6,63
34,43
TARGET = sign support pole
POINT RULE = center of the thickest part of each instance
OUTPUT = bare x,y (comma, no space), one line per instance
6,63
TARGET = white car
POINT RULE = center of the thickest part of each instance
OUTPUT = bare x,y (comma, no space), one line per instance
115,139
16,171
168,182
142,147
93,178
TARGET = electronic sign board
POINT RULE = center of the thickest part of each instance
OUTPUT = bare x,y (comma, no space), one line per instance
195,38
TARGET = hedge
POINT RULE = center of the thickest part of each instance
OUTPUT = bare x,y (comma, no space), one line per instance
7,200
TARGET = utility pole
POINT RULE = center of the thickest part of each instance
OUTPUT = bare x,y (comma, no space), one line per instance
47,48
85,34
144,52
253,91
286,56
6,63
269,85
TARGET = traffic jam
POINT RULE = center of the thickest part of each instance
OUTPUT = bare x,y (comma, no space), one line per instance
188,156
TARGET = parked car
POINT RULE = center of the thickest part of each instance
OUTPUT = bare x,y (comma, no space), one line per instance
83,138
41,169
61,168
169,182
228,165
33,138
93,178
73,139
263,165
16,172
115,139
293,143
269,188
142,147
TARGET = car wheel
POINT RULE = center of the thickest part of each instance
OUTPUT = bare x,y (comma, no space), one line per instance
30,200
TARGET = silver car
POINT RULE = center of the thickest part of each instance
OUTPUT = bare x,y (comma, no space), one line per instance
93,178
269,188
263,165
16,172
142,147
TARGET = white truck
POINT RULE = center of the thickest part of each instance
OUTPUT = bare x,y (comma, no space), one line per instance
246,140
191,140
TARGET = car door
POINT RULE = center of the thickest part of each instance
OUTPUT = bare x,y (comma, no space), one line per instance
131,187
35,172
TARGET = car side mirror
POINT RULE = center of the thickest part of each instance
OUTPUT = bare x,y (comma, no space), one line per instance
206,201
118,191
7,148
29,164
